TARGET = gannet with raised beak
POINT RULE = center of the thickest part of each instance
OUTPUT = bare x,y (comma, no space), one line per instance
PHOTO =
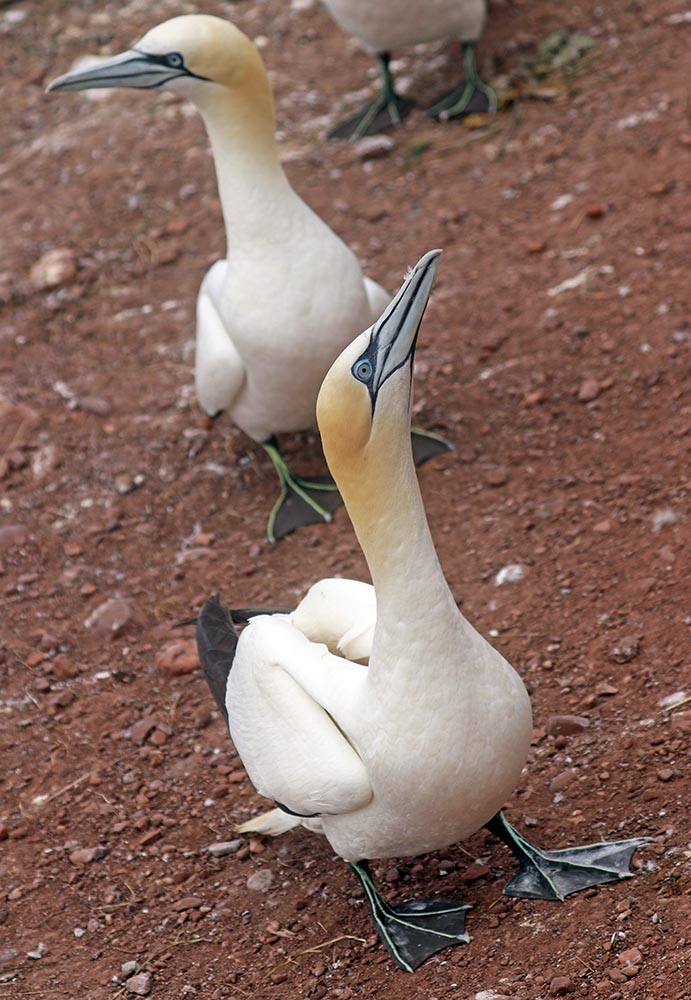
378,715
385,25
273,315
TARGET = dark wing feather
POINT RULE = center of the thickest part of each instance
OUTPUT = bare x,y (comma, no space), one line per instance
216,643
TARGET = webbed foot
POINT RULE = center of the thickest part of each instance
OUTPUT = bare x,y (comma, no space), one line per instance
386,111
472,96
415,930
556,874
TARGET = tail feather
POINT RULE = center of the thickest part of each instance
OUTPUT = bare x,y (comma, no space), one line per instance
270,824
216,642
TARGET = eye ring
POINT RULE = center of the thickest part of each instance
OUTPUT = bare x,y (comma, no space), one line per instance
362,370
175,60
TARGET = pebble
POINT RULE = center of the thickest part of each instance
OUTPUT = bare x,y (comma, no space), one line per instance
562,781
498,476
626,649
95,404
223,847
474,871
513,573
374,147
140,984
140,730
111,617
261,880
13,536
589,390
631,956
85,855
188,903
566,725
179,656
54,268
129,968
560,986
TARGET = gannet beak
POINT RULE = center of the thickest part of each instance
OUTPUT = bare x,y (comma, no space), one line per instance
394,335
129,69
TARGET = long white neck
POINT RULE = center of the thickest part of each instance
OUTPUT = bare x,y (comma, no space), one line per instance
253,188
383,499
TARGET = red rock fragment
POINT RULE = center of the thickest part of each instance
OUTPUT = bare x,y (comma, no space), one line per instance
179,656
560,986
188,903
13,536
589,390
111,617
626,649
85,855
566,725
474,871
140,730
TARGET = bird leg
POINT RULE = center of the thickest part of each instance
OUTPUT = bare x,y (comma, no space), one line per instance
302,501
413,931
471,96
556,874
385,111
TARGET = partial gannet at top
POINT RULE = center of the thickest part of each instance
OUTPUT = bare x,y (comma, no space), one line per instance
273,315
377,714
385,25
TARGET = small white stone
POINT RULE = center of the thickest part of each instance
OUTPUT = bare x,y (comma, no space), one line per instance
513,573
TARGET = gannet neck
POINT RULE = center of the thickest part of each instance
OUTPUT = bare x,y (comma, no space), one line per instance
240,123
382,496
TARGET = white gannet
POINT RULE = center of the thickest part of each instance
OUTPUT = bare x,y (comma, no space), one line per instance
384,25
288,297
390,725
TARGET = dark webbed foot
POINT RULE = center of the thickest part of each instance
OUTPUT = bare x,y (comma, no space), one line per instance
302,501
472,96
415,930
427,445
386,111
556,874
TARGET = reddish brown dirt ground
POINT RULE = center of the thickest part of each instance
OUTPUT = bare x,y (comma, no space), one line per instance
571,415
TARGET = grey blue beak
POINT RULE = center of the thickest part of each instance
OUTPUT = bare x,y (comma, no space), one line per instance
129,69
394,335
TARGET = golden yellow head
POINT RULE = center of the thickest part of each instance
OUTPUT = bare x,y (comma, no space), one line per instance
179,55
363,407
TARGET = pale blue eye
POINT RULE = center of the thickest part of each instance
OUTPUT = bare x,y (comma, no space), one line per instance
362,370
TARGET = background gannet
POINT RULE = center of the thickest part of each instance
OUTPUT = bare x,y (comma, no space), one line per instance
422,746
385,25
272,315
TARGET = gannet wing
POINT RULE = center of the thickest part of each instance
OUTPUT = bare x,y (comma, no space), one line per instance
341,614
219,371
290,706
377,297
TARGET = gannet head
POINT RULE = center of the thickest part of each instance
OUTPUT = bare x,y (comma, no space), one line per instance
184,54
364,405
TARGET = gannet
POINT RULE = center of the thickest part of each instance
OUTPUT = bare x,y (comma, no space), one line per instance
288,297
385,25
377,714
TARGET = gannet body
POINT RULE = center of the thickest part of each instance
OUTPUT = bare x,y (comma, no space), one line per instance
421,746
386,25
289,295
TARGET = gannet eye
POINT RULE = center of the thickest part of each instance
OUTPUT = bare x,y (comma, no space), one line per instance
362,370
174,60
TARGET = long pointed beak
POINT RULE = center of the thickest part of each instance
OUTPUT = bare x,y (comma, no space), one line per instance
394,335
129,69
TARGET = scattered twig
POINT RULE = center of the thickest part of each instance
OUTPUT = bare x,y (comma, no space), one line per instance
325,944
42,800
678,704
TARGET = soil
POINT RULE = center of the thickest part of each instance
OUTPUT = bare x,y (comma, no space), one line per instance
556,354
